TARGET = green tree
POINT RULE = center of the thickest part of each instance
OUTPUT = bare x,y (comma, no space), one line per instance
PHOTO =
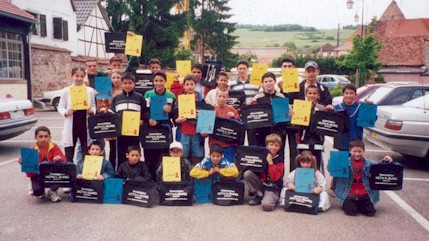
364,54
153,19
290,45
208,20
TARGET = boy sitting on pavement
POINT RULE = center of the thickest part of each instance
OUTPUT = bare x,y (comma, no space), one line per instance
176,150
133,168
48,152
215,166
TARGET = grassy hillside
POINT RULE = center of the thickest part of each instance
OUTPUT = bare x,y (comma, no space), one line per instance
248,38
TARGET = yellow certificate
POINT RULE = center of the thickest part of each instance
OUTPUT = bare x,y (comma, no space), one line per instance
257,71
301,112
133,45
183,67
187,106
170,79
92,167
290,80
79,97
171,169
130,123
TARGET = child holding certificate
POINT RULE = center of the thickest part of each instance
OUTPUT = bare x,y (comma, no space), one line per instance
307,160
193,143
227,111
128,100
257,136
266,185
308,140
48,151
133,168
152,156
96,148
76,103
176,150
215,166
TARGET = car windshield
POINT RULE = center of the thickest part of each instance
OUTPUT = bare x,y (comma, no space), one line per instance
419,103
379,94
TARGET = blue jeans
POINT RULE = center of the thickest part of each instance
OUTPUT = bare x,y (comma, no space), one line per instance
192,146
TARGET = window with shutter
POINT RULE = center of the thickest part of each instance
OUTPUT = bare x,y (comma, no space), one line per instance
65,30
58,28
43,25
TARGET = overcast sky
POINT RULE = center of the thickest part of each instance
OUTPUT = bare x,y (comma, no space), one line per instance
318,13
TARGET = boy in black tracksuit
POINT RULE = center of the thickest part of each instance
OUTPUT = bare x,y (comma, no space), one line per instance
129,100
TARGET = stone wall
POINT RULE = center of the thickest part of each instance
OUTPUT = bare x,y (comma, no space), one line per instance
51,68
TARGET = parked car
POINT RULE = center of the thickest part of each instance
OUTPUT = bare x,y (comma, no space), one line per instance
16,117
332,80
403,128
361,92
397,93
51,98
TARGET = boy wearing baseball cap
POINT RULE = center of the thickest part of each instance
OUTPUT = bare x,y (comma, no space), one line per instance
311,72
176,150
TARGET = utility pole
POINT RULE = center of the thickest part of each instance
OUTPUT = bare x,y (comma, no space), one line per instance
202,34
338,35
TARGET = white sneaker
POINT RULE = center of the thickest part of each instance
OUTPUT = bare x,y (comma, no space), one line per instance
54,196
30,189
66,189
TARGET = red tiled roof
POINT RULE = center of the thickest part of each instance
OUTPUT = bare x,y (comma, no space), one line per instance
9,8
407,28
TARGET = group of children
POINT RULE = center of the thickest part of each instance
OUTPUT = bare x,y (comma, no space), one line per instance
265,187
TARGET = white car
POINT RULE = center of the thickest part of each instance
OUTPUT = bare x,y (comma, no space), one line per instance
403,128
16,117
51,98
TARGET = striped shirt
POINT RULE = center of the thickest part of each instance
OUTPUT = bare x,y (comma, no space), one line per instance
250,90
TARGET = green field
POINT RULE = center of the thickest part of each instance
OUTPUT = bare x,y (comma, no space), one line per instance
248,38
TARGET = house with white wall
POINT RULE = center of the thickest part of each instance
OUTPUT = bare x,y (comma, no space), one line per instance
67,32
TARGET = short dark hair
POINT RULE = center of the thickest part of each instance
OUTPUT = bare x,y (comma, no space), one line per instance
154,61
133,148
96,143
115,59
42,128
76,69
312,87
197,66
216,148
349,87
288,60
129,76
189,77
243,61
160,73
357,143
267,75
222,73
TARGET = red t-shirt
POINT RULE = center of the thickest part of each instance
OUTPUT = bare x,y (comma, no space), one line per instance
357,188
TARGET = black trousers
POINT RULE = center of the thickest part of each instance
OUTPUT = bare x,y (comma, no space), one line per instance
152,159
352,206
78,132
112,153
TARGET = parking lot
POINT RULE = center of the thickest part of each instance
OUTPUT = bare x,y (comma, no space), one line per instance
401,215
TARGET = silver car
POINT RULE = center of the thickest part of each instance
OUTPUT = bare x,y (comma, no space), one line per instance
16,117
403,128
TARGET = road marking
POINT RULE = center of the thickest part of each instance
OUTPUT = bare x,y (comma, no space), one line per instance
7,162
416,179
407,208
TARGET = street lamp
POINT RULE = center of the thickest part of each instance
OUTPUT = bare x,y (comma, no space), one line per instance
350,4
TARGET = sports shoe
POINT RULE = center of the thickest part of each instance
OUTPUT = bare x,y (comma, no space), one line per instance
54,196
66,190
255,201
30,189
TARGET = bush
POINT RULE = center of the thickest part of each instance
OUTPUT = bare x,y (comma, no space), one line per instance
336,91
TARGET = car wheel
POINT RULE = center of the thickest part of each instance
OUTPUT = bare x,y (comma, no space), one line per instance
55,103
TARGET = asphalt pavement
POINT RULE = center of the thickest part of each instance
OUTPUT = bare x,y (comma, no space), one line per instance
401,215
